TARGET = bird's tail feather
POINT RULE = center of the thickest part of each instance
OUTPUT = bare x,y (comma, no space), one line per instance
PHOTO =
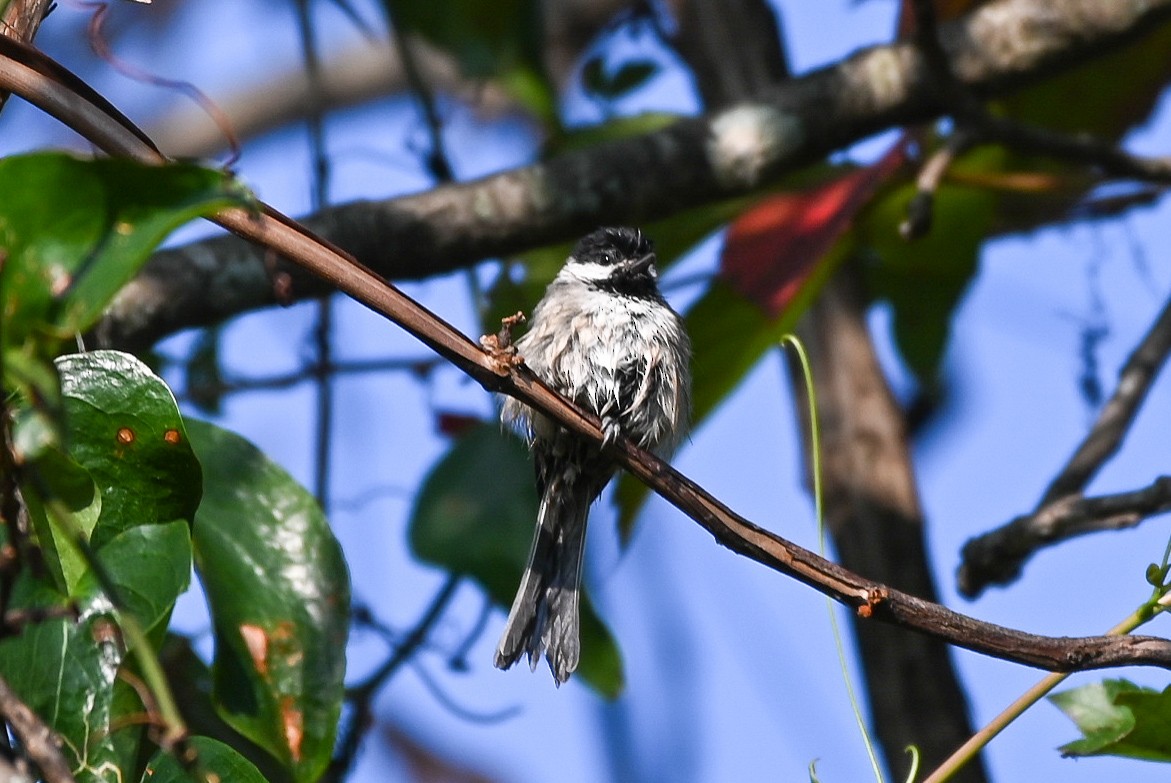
544,614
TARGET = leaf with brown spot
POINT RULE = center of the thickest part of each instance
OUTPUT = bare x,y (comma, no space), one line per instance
279,596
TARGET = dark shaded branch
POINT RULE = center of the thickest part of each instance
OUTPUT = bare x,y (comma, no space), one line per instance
998,556
1002,46
1074,515
37,740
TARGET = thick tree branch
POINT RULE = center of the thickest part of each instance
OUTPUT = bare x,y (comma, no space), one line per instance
997,557
1002,46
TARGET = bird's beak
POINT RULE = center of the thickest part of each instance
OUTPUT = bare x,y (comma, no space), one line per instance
641,265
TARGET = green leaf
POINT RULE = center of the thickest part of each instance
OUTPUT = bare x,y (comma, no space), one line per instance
942,263
125,429
214,761
65,672
129,484
191,685
76,495
149,567
279,595
77,230
474,515
610,85
1118,718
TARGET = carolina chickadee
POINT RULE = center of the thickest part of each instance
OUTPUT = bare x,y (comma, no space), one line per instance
603,336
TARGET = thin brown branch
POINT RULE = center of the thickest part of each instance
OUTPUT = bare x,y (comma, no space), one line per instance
37,740
338,269
20,21
997,557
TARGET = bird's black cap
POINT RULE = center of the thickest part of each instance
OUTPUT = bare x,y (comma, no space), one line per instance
609,246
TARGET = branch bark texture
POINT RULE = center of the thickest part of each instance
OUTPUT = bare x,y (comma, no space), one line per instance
1000,47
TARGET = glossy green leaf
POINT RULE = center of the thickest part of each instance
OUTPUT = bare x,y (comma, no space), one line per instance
76,495
65,672
77,230
149,567
125,429
475,514
213,761
279,595
1118,718
191,685
130,485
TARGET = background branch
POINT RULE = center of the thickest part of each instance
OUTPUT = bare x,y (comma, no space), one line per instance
997,557
1001,46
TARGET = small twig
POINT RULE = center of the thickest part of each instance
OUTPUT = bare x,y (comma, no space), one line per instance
1080,148
921,207
361,696
996,557
38,741
421,366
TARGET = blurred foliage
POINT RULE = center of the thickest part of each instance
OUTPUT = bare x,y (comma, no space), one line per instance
474,515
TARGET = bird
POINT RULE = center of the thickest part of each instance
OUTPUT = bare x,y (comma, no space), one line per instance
603,336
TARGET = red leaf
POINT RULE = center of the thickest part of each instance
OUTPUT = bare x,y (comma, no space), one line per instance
455,424
771,249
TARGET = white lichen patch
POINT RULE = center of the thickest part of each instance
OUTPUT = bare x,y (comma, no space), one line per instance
745,140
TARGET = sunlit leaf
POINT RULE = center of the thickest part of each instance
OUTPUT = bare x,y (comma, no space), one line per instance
774,246
133,496
279,595
1118,718
125,429
75,231
475,515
